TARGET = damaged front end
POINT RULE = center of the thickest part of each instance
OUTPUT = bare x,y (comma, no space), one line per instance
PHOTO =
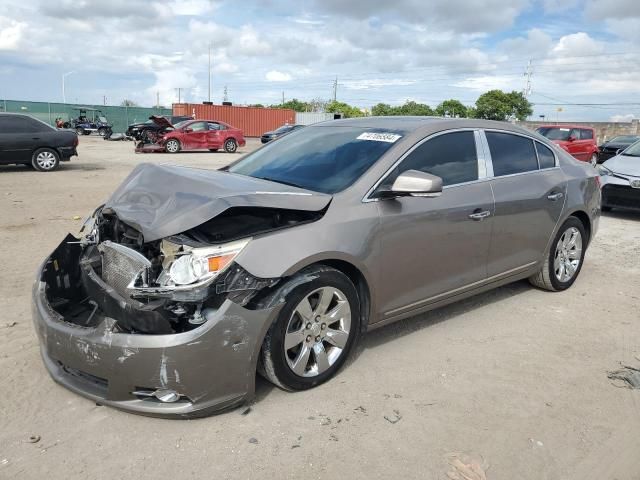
157,322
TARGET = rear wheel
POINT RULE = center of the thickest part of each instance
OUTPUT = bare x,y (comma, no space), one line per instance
564,260
102,131
45,160
230,146
314,333
172,146
80,131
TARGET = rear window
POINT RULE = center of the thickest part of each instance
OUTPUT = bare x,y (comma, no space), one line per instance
586,134
546,158
511,153
322,159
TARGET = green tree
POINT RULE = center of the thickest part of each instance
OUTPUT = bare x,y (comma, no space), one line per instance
128,103
414,108
498,105
381,109
451,108
347,110
294,104
256,105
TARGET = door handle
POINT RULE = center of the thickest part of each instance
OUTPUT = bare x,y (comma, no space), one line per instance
555,196
477,216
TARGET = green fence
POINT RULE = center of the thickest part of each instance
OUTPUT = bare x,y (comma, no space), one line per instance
119,117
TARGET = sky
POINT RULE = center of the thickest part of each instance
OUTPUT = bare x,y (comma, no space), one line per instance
581,52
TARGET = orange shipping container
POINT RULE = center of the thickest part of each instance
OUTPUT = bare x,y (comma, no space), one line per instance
253,121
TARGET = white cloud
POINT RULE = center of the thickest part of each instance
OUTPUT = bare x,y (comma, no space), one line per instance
375,83
623,118
11,32
276,76
191,7
484,83
557,6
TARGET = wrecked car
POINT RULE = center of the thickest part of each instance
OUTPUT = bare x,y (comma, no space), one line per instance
190,135
187,282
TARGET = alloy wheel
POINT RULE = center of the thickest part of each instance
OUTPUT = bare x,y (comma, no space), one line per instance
46,160
568,254
230,146
172,146
318,332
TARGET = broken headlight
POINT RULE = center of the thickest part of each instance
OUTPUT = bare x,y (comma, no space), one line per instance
199,265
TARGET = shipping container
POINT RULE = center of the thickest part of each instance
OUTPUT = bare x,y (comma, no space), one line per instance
307,118
253,121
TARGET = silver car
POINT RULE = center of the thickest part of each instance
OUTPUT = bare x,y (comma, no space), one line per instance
621,179
186,282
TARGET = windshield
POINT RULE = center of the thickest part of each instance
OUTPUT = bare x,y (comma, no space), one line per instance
632,151
322,159
102,119
181,124
624,139
554,133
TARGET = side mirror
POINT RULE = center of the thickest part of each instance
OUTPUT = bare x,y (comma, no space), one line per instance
188,130
572,138
414,183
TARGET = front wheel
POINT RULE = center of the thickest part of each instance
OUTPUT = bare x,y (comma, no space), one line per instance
102,131
594,160
45,160
314,333
563,263
172,146
230,146
80,131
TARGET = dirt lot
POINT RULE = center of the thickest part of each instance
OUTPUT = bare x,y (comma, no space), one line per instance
515,378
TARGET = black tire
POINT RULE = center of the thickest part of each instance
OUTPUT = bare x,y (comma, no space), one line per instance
87,132
546,277
605,209
273,362
169,146
45,160
66,125
102,131
230,145
79,131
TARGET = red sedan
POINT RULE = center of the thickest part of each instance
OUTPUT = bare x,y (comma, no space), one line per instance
202,135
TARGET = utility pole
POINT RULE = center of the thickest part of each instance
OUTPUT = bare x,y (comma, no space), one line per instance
158,99
64,76
179,89
335,89
283,97
526,91
226,94
104,99
210,72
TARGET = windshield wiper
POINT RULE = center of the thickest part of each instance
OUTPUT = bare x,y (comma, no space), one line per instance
291,184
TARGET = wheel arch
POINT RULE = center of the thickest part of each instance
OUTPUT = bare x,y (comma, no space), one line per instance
585,220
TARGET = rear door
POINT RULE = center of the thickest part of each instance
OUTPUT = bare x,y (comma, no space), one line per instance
529,189
215,135
196,136
435,246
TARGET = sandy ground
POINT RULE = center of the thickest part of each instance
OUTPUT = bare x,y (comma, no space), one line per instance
515,378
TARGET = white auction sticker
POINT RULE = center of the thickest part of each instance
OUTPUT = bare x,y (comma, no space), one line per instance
379,137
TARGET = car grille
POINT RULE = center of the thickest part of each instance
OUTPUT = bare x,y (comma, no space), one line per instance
121,266
621,196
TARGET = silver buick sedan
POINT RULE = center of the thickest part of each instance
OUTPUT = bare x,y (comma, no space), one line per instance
187,282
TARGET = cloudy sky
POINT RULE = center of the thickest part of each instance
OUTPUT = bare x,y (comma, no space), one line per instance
582,51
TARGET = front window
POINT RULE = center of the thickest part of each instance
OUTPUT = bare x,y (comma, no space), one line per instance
322,159
555,133
624,139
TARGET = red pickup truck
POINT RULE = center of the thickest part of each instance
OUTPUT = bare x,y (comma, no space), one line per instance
577,140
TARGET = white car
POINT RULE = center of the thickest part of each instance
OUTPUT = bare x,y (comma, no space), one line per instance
620,178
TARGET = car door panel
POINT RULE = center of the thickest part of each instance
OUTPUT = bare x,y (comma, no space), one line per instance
433,228
215,136
527,208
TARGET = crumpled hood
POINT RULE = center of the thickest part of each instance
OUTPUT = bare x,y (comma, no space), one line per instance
164,200
624,165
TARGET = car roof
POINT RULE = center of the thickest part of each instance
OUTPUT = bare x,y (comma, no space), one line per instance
565,126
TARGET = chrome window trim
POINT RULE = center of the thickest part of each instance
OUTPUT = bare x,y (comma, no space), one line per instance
367,196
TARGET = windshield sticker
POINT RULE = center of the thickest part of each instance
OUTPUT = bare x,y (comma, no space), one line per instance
380,137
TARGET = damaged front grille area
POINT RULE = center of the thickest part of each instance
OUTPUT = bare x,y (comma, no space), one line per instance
88,283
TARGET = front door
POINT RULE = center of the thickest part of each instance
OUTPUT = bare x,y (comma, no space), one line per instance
435,246
19,135
529,190
215,137
195,136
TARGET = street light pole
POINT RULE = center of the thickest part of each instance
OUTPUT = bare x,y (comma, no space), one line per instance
64,76
209,71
